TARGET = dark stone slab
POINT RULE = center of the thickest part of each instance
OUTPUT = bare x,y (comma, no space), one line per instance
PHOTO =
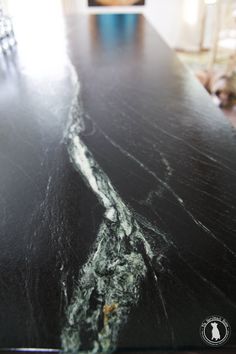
169,154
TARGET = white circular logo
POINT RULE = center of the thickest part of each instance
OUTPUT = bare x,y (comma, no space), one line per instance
215,330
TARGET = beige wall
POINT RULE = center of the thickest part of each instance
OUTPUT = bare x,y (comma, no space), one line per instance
168,17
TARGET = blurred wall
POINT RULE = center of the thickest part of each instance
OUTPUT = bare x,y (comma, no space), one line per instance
177,21
180,22
166,17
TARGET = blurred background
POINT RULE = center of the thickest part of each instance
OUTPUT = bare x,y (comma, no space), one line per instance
202,32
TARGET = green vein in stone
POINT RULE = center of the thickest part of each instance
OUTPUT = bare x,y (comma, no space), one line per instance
112,275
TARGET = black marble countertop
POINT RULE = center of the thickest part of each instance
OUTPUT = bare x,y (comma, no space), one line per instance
117,193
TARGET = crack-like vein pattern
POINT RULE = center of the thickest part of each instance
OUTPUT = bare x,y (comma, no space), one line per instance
109,283
110,280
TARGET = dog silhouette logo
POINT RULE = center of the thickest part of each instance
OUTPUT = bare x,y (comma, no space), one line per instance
215,331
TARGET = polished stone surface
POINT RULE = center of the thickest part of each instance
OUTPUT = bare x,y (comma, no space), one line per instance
117,193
